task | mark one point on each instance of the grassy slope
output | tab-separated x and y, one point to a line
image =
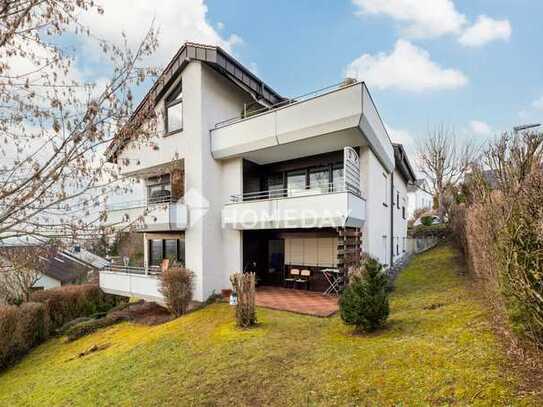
445	355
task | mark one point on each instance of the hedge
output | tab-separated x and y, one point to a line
26	326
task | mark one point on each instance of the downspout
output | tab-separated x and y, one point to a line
391	218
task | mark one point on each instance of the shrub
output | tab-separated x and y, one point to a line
364	302
176	287
427	220
73	301
244	287
88	327
32	326
8	325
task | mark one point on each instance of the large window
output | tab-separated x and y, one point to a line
174	111
296	181
172	249
159	189
319	179
275	185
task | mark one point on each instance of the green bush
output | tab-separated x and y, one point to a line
88	327
427	220
73	301
364	302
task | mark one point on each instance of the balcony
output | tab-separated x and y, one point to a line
312	124
336	205
156	215
132	282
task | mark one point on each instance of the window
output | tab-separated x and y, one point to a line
296	181
160	249
174	111
275	185
159	189
337	176
397	245
403	212
319	179
398	199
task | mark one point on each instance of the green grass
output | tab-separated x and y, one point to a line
437	349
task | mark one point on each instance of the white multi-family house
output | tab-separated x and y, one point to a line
418	197
240	178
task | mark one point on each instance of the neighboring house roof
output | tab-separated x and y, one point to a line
213	56
57	265
87	257
402	163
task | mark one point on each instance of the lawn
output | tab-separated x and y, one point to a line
437	349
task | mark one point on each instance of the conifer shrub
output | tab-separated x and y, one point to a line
364	302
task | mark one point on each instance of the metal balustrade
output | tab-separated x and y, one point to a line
277	193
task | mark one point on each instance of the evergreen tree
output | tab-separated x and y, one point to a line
364	302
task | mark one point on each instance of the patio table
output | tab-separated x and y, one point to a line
333	276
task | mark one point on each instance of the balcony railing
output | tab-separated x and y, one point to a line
263	109
277	193
140	203
119	268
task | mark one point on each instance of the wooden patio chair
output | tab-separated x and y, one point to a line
293	275
304	278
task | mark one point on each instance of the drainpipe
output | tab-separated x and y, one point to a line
391	219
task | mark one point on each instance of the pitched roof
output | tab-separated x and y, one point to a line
213	56
57	265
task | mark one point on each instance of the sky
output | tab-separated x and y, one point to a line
473	65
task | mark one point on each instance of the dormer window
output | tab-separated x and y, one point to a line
174	110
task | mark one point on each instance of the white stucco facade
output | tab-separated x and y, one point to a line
213	157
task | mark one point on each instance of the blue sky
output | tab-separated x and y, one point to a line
475	65
302	45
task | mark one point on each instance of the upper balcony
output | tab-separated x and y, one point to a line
320	122
333	205
154	215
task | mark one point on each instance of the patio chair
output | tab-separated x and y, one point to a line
293	275
304	278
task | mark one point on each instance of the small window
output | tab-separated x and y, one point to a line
403	212
174	111
385	202
398	199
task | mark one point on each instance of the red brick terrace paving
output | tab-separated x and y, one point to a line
299	301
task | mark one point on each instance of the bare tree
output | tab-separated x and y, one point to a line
20	268
443	159
54	124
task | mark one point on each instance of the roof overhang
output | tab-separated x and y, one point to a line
402	163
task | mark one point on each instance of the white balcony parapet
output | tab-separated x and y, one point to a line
306	208
330	121
134	283
156	215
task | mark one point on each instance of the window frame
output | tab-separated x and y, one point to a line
163	181
174	98
163	250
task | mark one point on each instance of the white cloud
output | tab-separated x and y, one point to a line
400	136
178	21
485	30
480	128
407	68
424	18
538	104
